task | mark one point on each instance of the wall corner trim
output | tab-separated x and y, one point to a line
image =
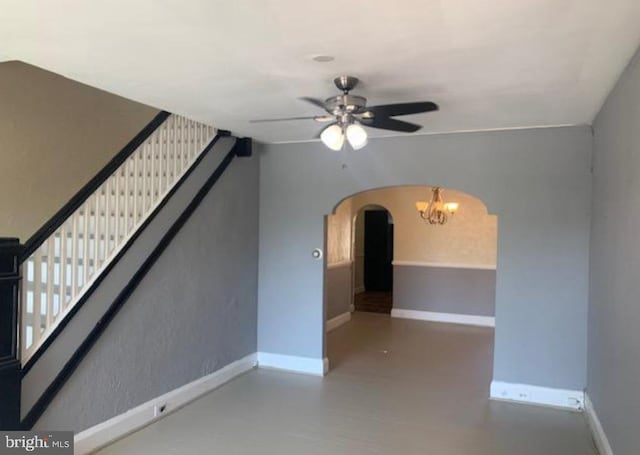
136	418
450	318
572	400
339	320
599	436
304	365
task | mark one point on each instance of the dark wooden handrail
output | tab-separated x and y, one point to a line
90	187
239	149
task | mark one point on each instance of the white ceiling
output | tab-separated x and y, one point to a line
488	63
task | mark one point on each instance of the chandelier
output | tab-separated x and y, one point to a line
437	211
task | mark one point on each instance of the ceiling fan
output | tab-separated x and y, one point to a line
348	114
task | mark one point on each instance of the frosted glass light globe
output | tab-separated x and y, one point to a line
357	136
333	137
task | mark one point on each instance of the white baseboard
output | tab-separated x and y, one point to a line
305	365
451	318
543	396
358	290
352	308
134	419
336	322
599	436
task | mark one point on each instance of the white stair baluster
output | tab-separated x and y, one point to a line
50	279
37	295
62	268
62	289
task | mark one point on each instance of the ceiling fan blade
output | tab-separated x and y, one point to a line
386	123
318	118
391	110
325	118
315	101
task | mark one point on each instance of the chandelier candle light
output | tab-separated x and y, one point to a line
437	211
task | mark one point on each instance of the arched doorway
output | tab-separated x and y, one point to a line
440	273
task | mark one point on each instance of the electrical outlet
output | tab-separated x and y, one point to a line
518	395
159	409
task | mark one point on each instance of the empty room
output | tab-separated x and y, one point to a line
320	227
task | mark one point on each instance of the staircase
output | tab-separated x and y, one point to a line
65	264
45	282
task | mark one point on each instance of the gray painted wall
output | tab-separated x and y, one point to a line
537	181
194	313
444	290
35	382
614	311
338	292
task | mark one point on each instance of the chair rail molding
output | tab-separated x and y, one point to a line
445	265
339	264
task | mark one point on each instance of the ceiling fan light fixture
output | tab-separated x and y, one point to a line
357	136
349	113
333	137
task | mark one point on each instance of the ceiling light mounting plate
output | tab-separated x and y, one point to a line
346	83
323	58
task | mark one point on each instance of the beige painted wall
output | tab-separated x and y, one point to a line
339	234
338	273
469	239
55	134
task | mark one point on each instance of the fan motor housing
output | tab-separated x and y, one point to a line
346	104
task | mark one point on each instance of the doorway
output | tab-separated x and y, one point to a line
384	257
386	262
374	243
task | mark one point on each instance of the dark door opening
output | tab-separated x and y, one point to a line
378	268
378	251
